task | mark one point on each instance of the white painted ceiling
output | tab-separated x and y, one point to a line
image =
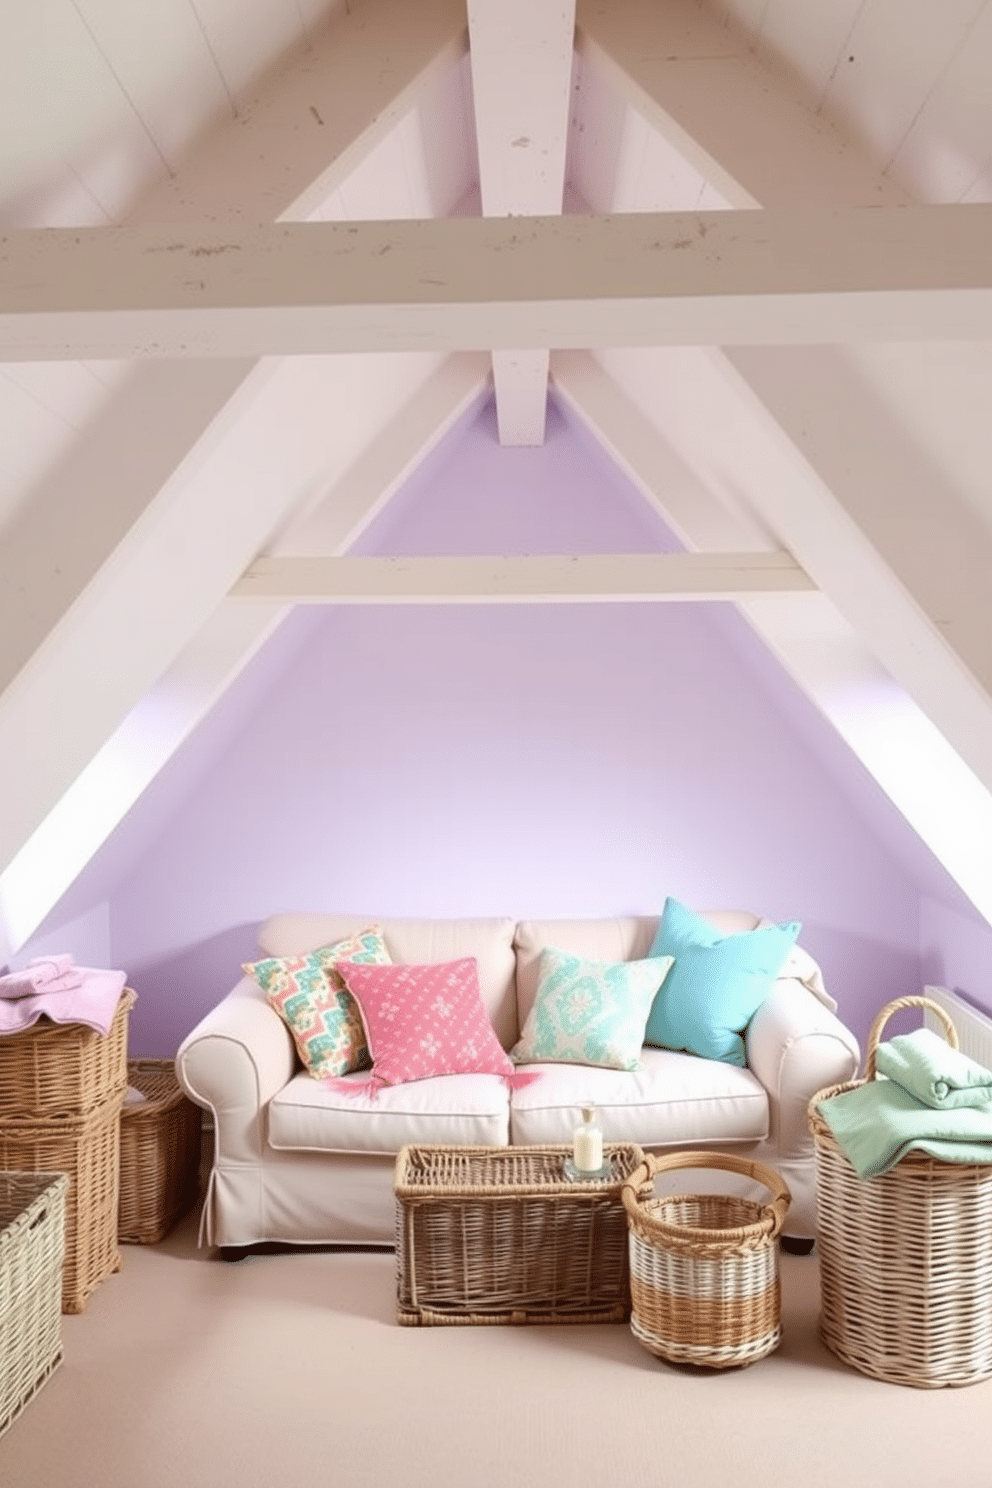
795	369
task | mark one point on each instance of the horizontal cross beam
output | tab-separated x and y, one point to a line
531	579
482	284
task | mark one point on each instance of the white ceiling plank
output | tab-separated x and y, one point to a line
605	579
522	135
146	43
697	83
88	122
769	277
949	143
243	52
813	37
909	43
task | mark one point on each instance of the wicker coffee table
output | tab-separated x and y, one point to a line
500	1235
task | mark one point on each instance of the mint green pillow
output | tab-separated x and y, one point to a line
717	984
589	1012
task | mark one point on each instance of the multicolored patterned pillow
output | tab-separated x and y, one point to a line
309	995
589	1012
425	1020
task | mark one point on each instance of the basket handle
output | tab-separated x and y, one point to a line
895	1006
644	1174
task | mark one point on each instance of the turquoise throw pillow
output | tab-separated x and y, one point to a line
716	985
589	1012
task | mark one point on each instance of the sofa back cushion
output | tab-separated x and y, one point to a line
622	938
416	942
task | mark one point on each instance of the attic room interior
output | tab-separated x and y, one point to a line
202	551
488	458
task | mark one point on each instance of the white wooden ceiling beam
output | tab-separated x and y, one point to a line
521	62
770	277
609	579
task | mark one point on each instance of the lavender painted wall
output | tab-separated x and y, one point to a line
501	760
956	952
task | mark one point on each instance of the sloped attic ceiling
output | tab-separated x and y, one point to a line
270	294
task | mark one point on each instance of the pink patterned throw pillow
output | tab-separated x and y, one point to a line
425	1020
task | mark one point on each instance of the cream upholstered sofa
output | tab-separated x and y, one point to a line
298	1162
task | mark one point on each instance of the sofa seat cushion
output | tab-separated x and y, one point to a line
464	1110
673	1098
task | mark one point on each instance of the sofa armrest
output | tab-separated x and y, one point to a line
796	1046
233	1062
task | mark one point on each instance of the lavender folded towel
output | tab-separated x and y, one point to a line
27	983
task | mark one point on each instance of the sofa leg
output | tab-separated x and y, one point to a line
796	1244
233	1252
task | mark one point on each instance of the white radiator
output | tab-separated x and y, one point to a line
972	1025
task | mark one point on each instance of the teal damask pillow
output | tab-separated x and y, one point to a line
589	1012
717	984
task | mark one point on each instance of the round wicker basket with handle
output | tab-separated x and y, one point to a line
905	1257
704	1278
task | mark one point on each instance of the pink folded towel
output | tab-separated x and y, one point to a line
33	979
93	1002
49	968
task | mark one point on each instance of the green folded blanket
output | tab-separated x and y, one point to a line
878	1123
936	1074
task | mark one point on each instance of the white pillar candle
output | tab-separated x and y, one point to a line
588	1144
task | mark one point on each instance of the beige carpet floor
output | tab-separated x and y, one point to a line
289	1369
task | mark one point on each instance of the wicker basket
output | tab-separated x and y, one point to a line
63	1069
704	1267
905	1257
160	1153
32	1246
500	1235
87	1150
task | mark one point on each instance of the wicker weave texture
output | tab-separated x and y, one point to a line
501	1236
905	1257
32	1247
63	1069
160	1154
704	1276
87	1150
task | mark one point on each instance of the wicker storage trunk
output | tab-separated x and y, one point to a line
32	1246
87	1150
500	1235
63	1069
905	1257
704	1277
160	1153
